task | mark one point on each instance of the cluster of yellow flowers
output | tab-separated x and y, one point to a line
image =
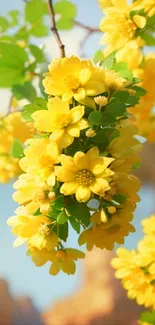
125	28
136	268
79	161
11	127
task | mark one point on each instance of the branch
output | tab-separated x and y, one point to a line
54	29
86	27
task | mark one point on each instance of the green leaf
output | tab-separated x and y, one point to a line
64	24
148	317
35	10
14	14
75	224
109	61
120	66
24	91
139	91
79	211
115	109
13	55
62	218
58	203
149	39
63	231
17	149
99	56
37	53
65	8
4	24
28	110
101	136
39	30
22	34
132	100
9	75
126	74
121	95
95	118
120	198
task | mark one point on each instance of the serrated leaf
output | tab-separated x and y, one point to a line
17	149
28	110
75	224
24	91
37	53
65	8
62	218
79	211
121	95
95	118
109	61
139	91
35	10
99	56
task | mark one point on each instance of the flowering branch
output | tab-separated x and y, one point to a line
54	29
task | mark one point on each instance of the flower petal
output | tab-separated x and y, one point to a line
19	241
66	175
43	121
83	193
68	267
68	162
93	153
74	130
55	268
80	94
74	254
81	160
69	188
76	113
97	166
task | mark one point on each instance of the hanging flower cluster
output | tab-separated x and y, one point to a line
11	127
77	168
127	29
136	268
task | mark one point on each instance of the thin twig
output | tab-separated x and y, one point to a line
54	29
88	28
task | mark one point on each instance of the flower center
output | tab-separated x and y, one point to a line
84	177
44	230
72	82
62	120
61	255
46	161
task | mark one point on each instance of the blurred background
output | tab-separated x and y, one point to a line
28	295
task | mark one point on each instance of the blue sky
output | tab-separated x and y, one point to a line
15	266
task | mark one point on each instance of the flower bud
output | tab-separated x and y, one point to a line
61	255
112	210
101	100
90	133
52	196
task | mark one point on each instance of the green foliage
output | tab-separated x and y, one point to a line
79	211
120	198
37	53
121	95
66	11
98	56
95	118
34	10
17	149
4	24
75	224
62	218
28	110
63	231
109	61
12	64
139	91
24	91
148	317
149	39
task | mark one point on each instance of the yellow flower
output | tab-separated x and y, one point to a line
136	56
18	128
40	157
64	260
63	122
147	5
101	100
32	191
104	234
118	26
114	81
9	168
85	174
39	257
105	3
149	226
35	230
71	77
137	276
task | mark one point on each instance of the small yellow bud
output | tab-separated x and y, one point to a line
103	216
61	255
90	133
111	210
131	92
101	100
52	196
